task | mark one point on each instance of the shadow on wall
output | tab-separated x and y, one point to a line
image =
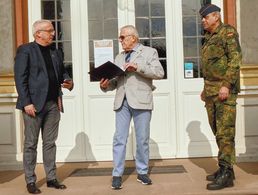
82	148
154	154
198	141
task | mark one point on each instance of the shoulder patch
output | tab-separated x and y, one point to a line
229	34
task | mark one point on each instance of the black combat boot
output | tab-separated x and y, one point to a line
223	180
213	176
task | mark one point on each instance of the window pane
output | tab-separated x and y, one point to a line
141	8
164	65
102	24
69	68
190	7
189	26
63	31
157	8
200	28
92	7
63	9
160	45
110	29
143	27
145	42
95	30
116	48
91	52
158	27
192	33
58	11
151	26
111	12
48	10
190	47
66	47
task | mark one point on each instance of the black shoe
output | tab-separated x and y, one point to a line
55	184
32	188
144	179
116	183
213	176
223	180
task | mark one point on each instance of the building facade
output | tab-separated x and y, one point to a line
179	127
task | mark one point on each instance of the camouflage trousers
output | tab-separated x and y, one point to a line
222	119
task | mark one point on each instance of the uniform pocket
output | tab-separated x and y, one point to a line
231	101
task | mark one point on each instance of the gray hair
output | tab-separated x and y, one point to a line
132	30
36	25
218	14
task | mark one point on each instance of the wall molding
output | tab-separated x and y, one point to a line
7	84
249	75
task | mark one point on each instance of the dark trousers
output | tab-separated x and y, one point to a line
47	121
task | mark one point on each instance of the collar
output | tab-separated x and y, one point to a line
134	49
218	28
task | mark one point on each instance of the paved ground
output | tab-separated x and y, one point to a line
190	182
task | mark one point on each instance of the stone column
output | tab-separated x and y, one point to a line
249	31
7	37
7	49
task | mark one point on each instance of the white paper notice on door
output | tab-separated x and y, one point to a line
103	52
188	70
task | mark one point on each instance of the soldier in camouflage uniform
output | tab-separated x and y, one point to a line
221	60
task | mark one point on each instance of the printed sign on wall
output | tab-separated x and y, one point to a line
188	70
103	52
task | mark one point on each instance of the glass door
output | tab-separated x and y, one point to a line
104	20
197	139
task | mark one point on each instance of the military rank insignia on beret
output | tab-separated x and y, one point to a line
207	9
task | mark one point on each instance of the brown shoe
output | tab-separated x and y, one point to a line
55	184
32	188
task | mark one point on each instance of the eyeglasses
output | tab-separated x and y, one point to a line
49	31
122	37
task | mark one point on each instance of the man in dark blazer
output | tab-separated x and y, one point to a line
39	76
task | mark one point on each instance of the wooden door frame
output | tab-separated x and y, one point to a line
230	12
21	22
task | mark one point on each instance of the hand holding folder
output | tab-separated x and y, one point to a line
108	70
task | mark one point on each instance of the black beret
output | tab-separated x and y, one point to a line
207	9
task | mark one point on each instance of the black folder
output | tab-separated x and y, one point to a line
108	70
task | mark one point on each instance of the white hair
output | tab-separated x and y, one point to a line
132	30
37	25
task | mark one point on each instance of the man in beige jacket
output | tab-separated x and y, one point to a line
134	99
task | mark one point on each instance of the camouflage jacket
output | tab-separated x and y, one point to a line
221	59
